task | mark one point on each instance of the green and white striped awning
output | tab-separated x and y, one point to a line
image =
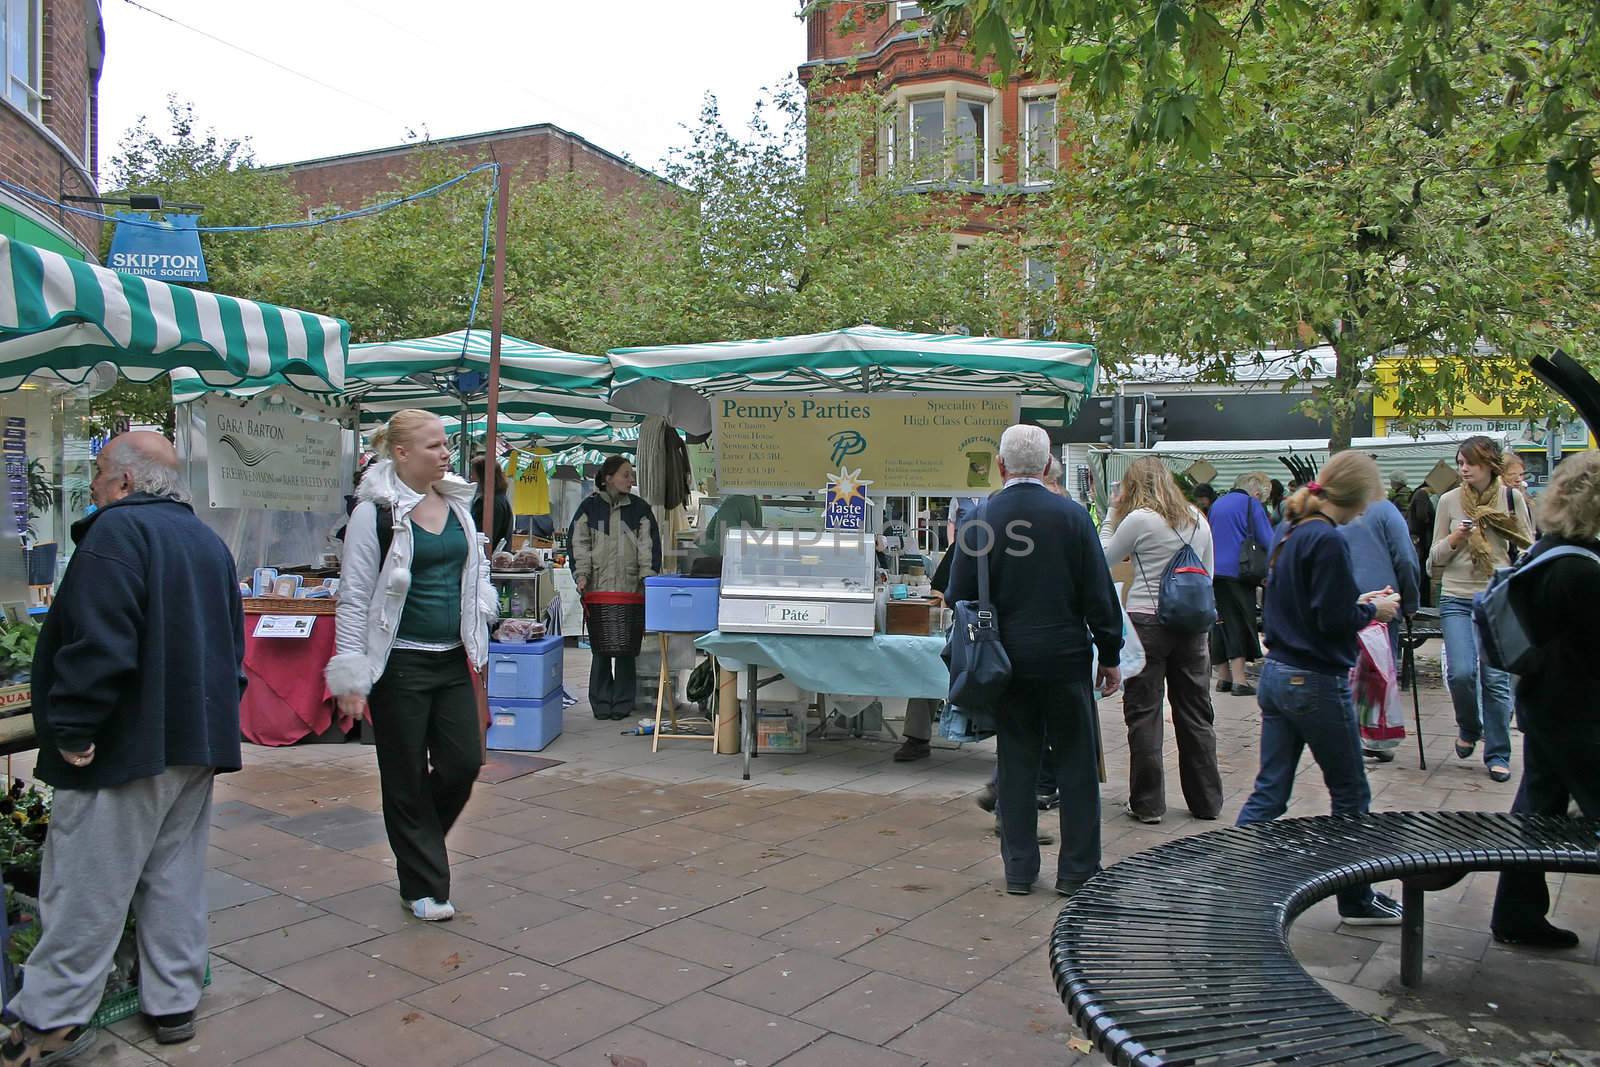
450	372
1053	376
553	432
62	318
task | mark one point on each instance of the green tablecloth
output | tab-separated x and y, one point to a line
885	665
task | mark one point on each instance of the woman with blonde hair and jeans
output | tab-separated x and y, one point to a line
1481	525
1150	522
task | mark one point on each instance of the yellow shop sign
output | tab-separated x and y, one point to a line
934	443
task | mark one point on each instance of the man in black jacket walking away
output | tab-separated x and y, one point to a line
1055	602
136	686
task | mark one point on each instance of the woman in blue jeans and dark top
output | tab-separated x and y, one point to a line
1314	610
1481	524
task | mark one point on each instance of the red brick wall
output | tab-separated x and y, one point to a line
32	158
532	156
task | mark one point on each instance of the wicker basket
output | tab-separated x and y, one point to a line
282	605
616	623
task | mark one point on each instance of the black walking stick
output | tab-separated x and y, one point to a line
1416	694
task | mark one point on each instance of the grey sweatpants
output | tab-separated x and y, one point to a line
144	843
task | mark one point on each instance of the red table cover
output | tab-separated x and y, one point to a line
287	698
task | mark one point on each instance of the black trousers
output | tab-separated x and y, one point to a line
1234	636
425	727
1063	706
1558	766
613	685
1175	666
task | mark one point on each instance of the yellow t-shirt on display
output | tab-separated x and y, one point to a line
530	485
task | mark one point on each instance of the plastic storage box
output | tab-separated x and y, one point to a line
524	725
525	672
681	605
781	729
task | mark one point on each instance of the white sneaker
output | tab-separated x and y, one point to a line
429	910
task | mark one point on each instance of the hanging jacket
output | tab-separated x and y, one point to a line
614	542
372	591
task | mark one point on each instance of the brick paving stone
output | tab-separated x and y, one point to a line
268	951
836	1051
560	1023
574	875
803	874
349	980
632	1044
398	1033
297	1053
731	1029
724	950
429	950
876	1008
224	890
576	935
507	1057
788	983
761	911
474	999
313	873
949	1040
644	972
258	916
691	882
953	969
1016	1010
509	917
901	889
636	903
834	930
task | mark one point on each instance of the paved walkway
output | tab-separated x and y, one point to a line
841	910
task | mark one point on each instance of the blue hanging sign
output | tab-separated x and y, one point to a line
168	251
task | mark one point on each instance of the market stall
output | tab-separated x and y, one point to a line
884	412
68	330
291	530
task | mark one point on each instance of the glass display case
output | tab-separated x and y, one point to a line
798	581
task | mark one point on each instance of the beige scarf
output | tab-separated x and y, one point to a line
1488	511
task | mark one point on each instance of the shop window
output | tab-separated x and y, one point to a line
21	44
1039	141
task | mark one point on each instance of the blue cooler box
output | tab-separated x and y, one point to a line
524	725
681	605
525	672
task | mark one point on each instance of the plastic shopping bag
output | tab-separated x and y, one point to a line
1133	658
1375	685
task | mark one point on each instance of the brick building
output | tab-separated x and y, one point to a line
533	153
50	58
952	128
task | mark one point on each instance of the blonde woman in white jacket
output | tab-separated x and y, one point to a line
412	628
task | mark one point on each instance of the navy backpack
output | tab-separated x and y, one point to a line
1186	602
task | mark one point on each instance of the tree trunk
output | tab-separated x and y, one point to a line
1344	397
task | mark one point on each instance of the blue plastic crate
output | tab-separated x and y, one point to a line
525	672
524	725
673	604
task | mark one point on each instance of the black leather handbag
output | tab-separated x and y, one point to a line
980	670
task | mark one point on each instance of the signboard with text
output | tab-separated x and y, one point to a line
268	457
934	443
168	250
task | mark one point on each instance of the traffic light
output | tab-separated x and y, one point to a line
1155	419
1108	414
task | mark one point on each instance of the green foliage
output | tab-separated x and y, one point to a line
24	823
1170	67
17	643
1325	213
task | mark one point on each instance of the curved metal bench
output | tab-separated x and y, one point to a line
1180	955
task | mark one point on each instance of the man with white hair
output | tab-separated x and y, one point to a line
136	685
1056	604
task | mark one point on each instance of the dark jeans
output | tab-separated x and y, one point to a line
1063	707
613	685
1176	663
1300	710
425	715
1559	766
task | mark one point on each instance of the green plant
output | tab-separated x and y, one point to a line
24	823
17	643
41	491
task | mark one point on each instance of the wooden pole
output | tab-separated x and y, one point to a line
502	208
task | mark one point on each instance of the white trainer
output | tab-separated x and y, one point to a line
429	910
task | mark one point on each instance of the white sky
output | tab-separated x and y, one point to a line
627	75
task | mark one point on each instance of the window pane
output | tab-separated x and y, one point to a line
1040	163
909	11
970	143
1041	275
20	34
927	139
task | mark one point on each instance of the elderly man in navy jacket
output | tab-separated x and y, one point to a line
1056	604
136	686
